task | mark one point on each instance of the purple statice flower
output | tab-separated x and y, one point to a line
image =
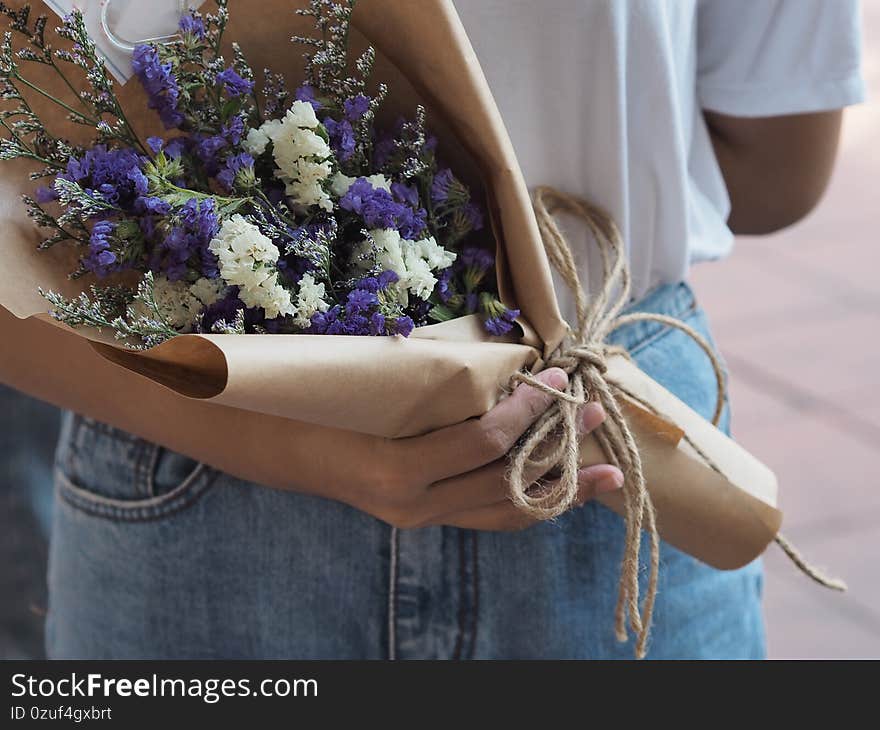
405	193
356	107
440	186
501	325
360	300
156	144
420	309
185	246
233	130
383	148
200	217
176	147
208	150
355	324
474	216
342	139
152	205
412	223
498	318
223	309
401	326
322	321
378	283
114	175
474	257
307	93
379	209
139	180
444	285
226	177
159	82
233	84
386	279
45	194
377	323
100	258
192	24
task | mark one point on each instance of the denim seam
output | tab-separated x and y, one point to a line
462	593
143	458
475	580
394	540
150	474
146	510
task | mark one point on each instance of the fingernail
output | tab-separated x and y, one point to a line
594	410
592	414
557	379
609	483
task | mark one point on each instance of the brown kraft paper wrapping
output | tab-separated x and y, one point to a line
199	394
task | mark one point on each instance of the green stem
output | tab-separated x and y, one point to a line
31	153
67	82
60	103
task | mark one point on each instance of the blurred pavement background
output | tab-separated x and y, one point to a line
797	317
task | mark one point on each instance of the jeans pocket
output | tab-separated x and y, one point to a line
110	473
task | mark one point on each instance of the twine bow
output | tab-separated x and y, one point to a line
552	443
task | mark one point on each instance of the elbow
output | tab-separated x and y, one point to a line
764	211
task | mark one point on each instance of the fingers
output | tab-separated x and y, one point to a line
472	444
488	485
504	516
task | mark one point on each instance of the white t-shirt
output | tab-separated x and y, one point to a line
603	98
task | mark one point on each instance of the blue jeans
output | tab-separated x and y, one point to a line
28	434
156	556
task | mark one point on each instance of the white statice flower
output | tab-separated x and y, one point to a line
301	114
340	184
418	278
379	181
268	294
176	304
293	145
302	156
387	244
434	254
207	291
257	139
247	260
309	300
306	185
414	262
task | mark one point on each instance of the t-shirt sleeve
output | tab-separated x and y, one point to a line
758	58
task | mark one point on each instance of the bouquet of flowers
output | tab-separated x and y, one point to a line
284	211
229	250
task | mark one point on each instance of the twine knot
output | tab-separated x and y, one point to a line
552	444
580	355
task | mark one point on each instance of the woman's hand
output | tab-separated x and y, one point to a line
457	475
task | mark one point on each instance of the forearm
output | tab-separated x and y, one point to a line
775	168
58	366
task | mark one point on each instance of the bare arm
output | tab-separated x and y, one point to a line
776	168
453	476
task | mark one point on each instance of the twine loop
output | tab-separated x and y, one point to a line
552	444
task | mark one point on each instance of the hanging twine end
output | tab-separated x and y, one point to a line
835	584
